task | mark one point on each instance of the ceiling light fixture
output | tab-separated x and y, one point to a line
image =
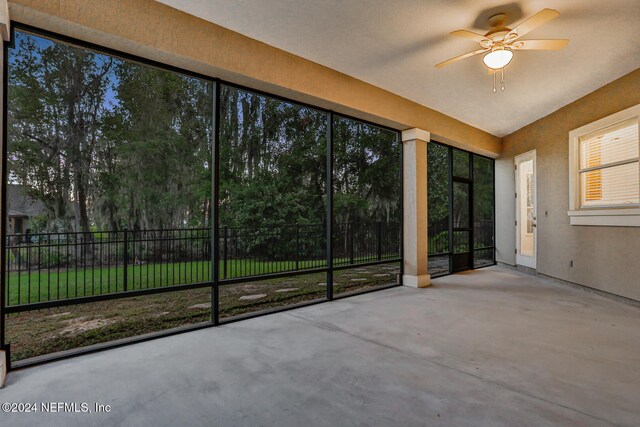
498	58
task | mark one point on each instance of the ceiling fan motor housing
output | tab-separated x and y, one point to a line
498	28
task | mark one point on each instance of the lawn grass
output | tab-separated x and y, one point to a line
56	284
47	331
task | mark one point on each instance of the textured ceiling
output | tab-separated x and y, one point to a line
395	45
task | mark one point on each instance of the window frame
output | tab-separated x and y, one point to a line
450	228
215	282
604	215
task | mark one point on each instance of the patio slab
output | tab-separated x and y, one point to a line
490	347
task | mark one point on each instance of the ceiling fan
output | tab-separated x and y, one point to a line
500	42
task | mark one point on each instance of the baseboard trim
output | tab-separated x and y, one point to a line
520	268
574	285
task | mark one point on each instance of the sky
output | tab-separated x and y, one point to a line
43	43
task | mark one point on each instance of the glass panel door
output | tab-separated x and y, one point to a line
526	210
483	211
461	225
439	185
461	202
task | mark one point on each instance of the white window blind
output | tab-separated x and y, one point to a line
610	166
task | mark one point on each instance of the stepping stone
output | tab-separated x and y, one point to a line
389	267
287	290
66	313
321	284
252	297
359	279
164	313
381	275
80	325
202	306
361	270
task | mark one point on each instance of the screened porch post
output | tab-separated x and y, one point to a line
414	161
5	31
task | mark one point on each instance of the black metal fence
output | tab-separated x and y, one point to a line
365	242
483	237
483	234
438	241
253	251
56	266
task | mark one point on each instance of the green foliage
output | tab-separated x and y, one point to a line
107	143
56	100
440	241
52	259
483	190
38	224
272	161
438	182
366	173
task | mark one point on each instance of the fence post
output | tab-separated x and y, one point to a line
125	259
350	234
297	245
379	234
224	251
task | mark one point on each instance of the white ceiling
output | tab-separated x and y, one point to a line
394	44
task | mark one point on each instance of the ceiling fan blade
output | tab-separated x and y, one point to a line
542	17
469	35
458	58
540	44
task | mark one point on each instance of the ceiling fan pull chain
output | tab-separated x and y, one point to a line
502	79
494	82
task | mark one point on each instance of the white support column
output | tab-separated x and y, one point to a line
5	29
3	367
414	207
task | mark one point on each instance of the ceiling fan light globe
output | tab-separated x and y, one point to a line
498	59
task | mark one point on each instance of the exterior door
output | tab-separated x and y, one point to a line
526	217
461	200
462	238
461	210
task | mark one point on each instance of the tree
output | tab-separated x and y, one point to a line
57	96
162	131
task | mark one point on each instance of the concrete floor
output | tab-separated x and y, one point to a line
490	347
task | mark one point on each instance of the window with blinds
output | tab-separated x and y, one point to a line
609	166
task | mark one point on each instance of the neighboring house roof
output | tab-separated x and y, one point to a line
14	213
19	204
